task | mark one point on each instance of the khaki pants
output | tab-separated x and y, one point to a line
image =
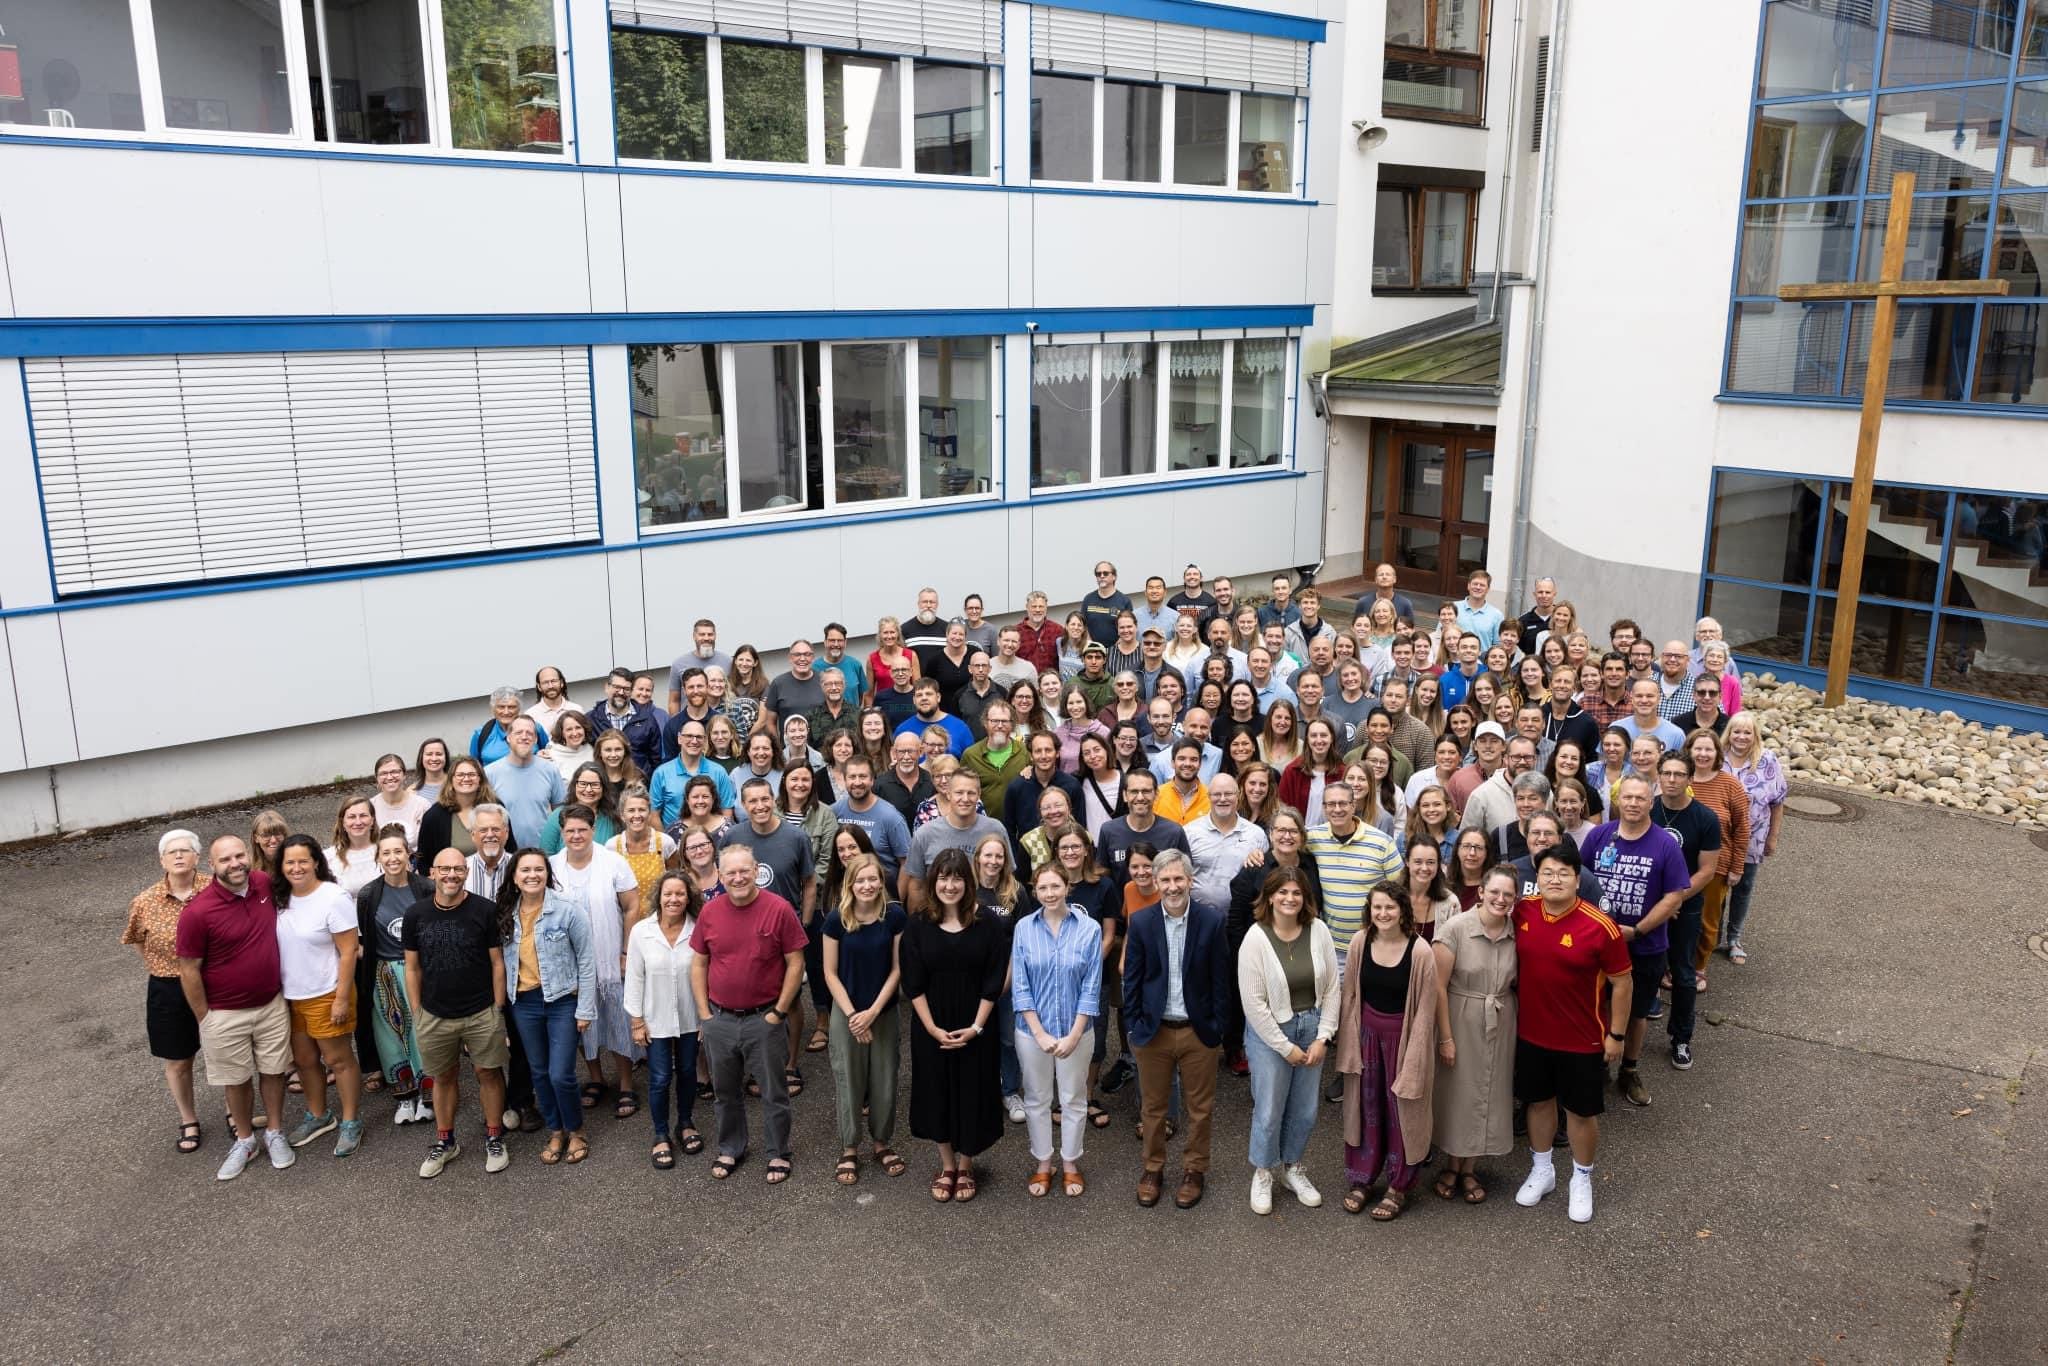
1176	1048
1713	897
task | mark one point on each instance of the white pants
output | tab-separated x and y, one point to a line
1042	1072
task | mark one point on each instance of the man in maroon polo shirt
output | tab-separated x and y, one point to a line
750	957
233	978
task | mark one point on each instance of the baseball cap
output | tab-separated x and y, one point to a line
1094	647
1153	631
1490	728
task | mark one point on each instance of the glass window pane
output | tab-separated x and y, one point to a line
1201	127
1408	23
1130	408
1763	527
2012	355
1765	623
223	65
764	102
1902	548
678	434
1432	87
2022	244
1265	143
371	70
1418	548
768	426
1802	150
1891	642
1444	224
1258	402
1795	244
1475	488
950	119
1930	351
863	111
1816	47
1062	415
1458	25
956	418
504	94
1392	265
73	65
1784	348
661	96
1944	241
870	450
1998	555
1993	659
1933	41
1194	406
1131	118
1423	466
2026	152
1062	128
2034	38
1947	138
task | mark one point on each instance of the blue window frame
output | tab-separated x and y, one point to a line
1847	92
1954	598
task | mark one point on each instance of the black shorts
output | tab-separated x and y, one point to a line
173	1033
1648	972
1577	1081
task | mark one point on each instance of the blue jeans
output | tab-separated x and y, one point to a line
1736	912
668	1060
548	1031
1003	1020
1284	1097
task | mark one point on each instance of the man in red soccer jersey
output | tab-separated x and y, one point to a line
1565	951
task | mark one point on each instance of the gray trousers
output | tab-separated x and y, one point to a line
737	1045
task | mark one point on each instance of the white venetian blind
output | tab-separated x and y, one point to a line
162	470
966	30
1091	43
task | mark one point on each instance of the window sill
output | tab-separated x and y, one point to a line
1412	115
1423	291
419	153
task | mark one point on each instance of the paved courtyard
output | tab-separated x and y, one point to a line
1856	1171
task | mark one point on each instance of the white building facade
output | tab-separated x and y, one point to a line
359	356
1633	411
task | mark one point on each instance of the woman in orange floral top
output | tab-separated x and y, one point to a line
153	929
1722	793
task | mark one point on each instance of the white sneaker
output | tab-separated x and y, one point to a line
1296	1177
496	1158
1262	1190
281	1154
509	1120
1014	1103
238	1157
1542	1181
1579	1204
404	1113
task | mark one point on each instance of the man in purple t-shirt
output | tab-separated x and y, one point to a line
1643	880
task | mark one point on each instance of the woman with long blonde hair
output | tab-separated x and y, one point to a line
863	938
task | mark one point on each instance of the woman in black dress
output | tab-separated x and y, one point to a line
954	960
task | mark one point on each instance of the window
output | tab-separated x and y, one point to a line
764	102
366	73
1062	128
1142	126
1434	64
738	430
1130	130
662	96
949	127
1141	409
1422	238
1265	144
863	111
1201	130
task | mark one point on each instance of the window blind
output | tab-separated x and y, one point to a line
1097	44
161	470
964	30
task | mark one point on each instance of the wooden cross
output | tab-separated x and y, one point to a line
1886	289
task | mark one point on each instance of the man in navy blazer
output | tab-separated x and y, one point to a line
1176	967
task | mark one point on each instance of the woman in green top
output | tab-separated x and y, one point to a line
587	788
1287	976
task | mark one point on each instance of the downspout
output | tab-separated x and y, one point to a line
1525	456
1504	197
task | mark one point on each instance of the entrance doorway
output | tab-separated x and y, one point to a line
1439	499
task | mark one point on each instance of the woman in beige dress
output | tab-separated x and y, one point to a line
1475	960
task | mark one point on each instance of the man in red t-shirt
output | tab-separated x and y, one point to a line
1566	951
1039	635
750	957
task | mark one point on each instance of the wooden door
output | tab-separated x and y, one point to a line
1439	500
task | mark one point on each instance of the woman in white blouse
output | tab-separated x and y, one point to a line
664	1014
353	855
1287	976
610	895
393	803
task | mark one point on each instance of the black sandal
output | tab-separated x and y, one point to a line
793	1081
846	1171
723	1166
627	1105
664	1155
1098	1118
706	1091
593	1092
693	1143
779	1170
190	1136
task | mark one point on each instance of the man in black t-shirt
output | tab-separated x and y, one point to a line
924	632
796	693
455	977
1192	594
1100	608
1138	823
1699	833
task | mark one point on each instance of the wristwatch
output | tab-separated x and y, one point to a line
976	1029
1618	1038
771	1010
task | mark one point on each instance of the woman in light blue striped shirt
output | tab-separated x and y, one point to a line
1056	989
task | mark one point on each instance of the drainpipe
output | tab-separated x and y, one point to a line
1504	197
1525	456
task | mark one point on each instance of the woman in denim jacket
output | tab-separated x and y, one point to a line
551	980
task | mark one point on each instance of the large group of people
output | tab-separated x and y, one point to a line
1443	874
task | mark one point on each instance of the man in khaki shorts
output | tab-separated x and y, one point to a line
233	978
455	975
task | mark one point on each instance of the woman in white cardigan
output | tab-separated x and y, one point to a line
1287	975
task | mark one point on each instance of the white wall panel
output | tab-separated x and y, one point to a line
605	234
117	233
1109	252
1242	254
695	243
896	248
45	697
485	239
6	280
24	560
13	753
628	621
762	591
1134	533
883	564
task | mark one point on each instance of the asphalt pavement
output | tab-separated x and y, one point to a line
1855	1171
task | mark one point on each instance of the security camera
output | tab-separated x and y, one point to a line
1370	134
1030	327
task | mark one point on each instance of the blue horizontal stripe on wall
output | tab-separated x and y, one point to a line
1199	14
655	539
156	336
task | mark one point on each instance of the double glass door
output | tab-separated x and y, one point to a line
1440	499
